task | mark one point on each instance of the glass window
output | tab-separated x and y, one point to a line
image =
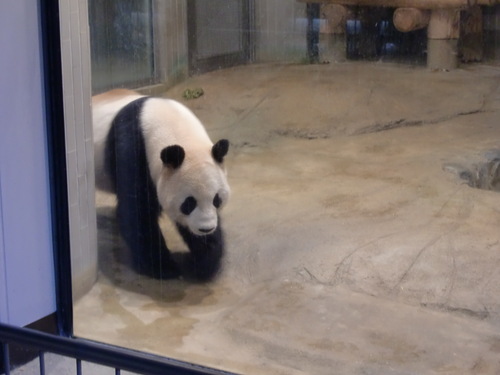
122	43
361	231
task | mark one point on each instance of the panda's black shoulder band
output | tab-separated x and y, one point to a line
172	156
220	149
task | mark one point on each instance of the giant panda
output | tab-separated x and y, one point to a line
156	156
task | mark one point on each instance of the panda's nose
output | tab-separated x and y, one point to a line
206	230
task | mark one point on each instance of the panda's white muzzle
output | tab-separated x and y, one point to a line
206	230
203	222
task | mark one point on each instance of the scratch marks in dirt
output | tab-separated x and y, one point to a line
401	123
302	133
327	131
481	314
423	265
344	266
414	261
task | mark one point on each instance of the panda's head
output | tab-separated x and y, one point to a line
193	186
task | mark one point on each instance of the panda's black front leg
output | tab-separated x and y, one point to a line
141	232
206	252
138	211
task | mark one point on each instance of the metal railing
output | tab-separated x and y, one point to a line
97	353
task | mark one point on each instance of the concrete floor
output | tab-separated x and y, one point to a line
354	247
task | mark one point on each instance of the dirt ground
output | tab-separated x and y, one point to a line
355	241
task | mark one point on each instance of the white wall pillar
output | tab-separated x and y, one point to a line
75	54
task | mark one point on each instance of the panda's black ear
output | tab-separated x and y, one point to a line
219	150
172	156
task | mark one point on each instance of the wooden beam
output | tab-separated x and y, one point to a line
488	2
419	4
409	19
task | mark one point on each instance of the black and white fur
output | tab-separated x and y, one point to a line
155	155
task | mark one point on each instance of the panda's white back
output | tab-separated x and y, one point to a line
166	122
163	122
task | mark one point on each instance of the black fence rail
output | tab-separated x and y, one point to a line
83	350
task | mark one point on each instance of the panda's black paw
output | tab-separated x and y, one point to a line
206	253
169	271
207	266
163	270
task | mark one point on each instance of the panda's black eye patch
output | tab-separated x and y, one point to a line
217	201
188	205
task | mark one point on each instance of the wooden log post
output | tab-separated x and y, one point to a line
442	39
410	19
332	38
470	44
